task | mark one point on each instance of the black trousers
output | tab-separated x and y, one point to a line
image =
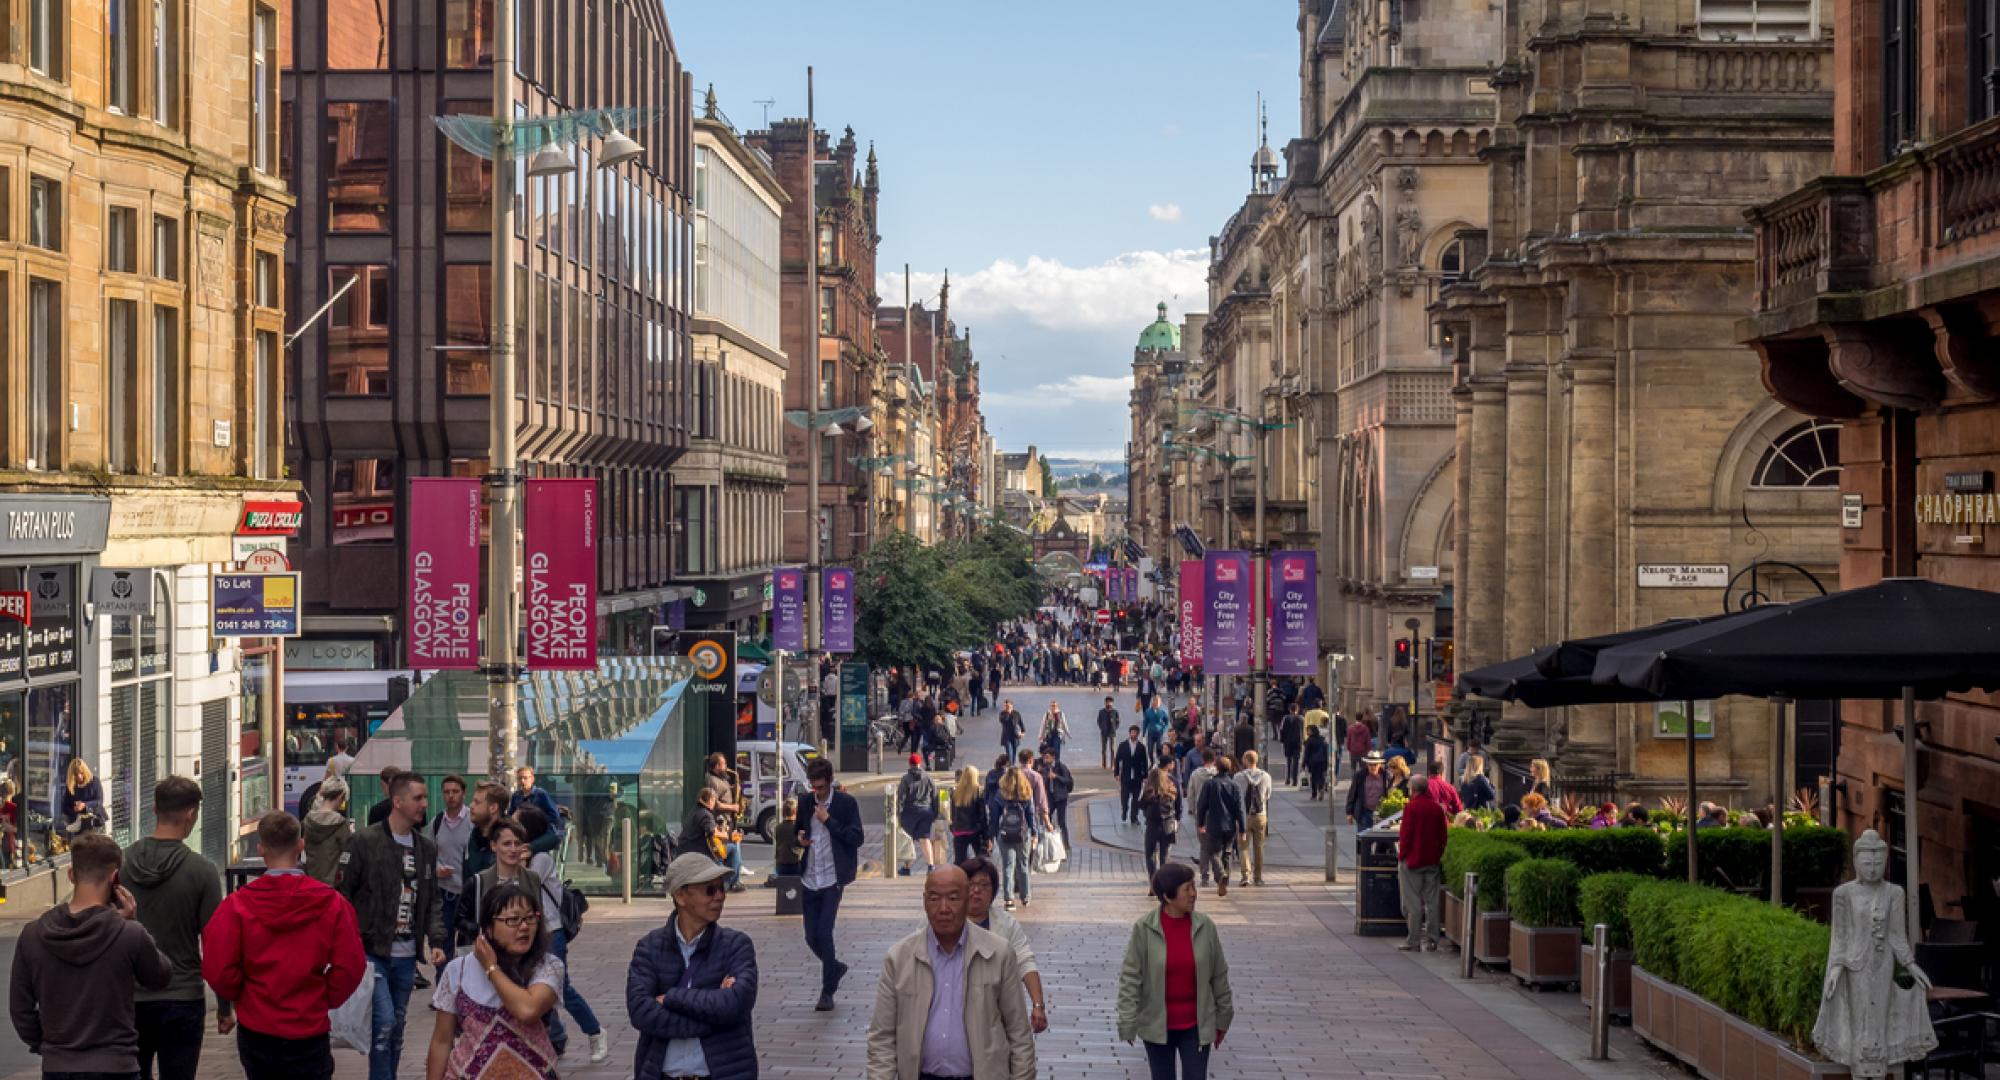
1060	812
170	1038
1128	799
1159	850
1292	765
1184	1044
270	1057
821	907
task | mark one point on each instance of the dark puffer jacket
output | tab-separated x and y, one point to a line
700	1009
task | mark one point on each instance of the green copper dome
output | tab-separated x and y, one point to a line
1162	336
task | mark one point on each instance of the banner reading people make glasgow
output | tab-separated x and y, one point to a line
1191	611
788	609
559	530
1294	612
1225	641
444	573
836	596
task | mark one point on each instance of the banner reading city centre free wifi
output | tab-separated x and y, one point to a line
560	530
444	573
1293	624
1225	639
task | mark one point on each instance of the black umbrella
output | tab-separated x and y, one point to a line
1523	679
1577	657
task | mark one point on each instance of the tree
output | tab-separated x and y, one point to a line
905	615
1048	480
1090	480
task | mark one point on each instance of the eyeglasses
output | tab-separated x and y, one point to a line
517	920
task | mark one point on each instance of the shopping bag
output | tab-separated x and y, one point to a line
1050	853
353	1023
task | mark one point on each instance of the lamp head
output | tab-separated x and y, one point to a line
618	149
550	161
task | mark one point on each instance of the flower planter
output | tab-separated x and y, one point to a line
1544	956
1714	1043
1490	937
1620	979
1452	910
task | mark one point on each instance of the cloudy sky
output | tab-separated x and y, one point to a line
1066	162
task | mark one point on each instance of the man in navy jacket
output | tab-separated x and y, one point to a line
829	832
693	984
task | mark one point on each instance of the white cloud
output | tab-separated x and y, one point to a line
1165	211
1075	390
1117	294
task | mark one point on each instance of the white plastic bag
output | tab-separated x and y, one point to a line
1050	852
352	1023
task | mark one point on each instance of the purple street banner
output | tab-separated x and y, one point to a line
444	574
1131	584
1295	612
788	609
1225	643
559	531
836	597
1114	585
1190	614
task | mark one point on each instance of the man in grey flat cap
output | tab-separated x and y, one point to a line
693	984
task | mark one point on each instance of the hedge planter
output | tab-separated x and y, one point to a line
1544	956
1452	910
1620	980
1490	937
1714	1043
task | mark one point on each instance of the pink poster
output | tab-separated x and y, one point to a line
1190	613
560	574
443	628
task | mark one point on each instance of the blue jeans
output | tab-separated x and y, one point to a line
1014	873
734	862
394	976
820	908
571	1000
1184	1044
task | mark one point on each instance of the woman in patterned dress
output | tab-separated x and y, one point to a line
491	1002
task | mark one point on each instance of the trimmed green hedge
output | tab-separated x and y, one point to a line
1762	963
1601	898
1483	853
1740	858
1597	851
1542	893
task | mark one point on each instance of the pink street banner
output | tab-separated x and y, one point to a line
1131	584
1226	585
1190	614
443	574
836	596
560	532
788	609
1294	612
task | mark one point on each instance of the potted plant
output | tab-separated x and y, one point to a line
1489	935
1544	934
1601	899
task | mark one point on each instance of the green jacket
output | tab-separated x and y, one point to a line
1142	985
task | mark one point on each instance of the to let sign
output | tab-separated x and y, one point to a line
1684	576
255	605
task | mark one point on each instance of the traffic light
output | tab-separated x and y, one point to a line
1402	652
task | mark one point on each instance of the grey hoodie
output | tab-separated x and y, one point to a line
177	890
71	997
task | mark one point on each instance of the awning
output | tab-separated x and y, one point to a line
319	687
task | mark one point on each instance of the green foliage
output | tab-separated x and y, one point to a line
1601	898
1740	858
1815	856
920	604
1597	851
1760	962
1393	800
1542	893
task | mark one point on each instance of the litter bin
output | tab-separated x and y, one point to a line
1378	899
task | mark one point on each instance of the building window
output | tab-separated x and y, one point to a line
122	357
166	63
826	305
141	714
264	405
358	136
1758	20
468	328
166	386
166	248
259	725
827	246
121	240
364	501
357	339
267	280
362	43
45	323
1806	455
691	510
45	212
468	181
1983	34
6	174
264	69
468	33
1899	75
827	370
1451	262
121	57
46	19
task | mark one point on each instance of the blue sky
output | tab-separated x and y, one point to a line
1067	163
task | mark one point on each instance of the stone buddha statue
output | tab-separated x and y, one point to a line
1866	1022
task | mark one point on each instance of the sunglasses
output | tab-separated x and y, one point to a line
711	890
517	920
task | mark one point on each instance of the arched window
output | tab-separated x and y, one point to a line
1806	455
1451	261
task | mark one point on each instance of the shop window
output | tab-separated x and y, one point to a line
357	338
357	37
1806	455
358	138
259	721
468	328
141	676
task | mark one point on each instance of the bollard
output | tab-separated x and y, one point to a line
890	830
1600	993
1468	949
625	827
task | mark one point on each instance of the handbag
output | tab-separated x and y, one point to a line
351	1025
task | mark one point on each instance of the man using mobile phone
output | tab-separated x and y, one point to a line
389	874
829	831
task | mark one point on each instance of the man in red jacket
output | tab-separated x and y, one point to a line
285	949
1419	851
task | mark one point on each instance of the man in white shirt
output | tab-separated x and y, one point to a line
1256	785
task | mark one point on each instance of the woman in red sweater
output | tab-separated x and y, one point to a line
1174	991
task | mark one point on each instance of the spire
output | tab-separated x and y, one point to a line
709	110
874	175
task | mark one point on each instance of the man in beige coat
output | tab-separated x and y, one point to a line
949	1004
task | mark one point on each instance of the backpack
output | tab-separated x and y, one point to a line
1253	798
1013	823
572	904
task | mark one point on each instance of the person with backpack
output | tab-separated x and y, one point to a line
1015	832
553	892
1218	816
177	891
1291	736
1256	789
1161	805
285	950
917	811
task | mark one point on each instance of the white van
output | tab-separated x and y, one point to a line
756	766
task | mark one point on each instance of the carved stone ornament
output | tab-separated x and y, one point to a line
1866	1022
1409	236
1371	230
1406	179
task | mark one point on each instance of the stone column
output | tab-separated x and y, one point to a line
1483	585
1526	579
1593	506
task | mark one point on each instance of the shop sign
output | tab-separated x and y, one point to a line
1975	481
788	625
271	518
1684	576
122	592
52	636
329	655
11	639
244	548
1423	573
254	605
264	561
1226	584
1959	508
18	604
53	524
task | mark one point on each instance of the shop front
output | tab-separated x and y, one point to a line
730	603
49	544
